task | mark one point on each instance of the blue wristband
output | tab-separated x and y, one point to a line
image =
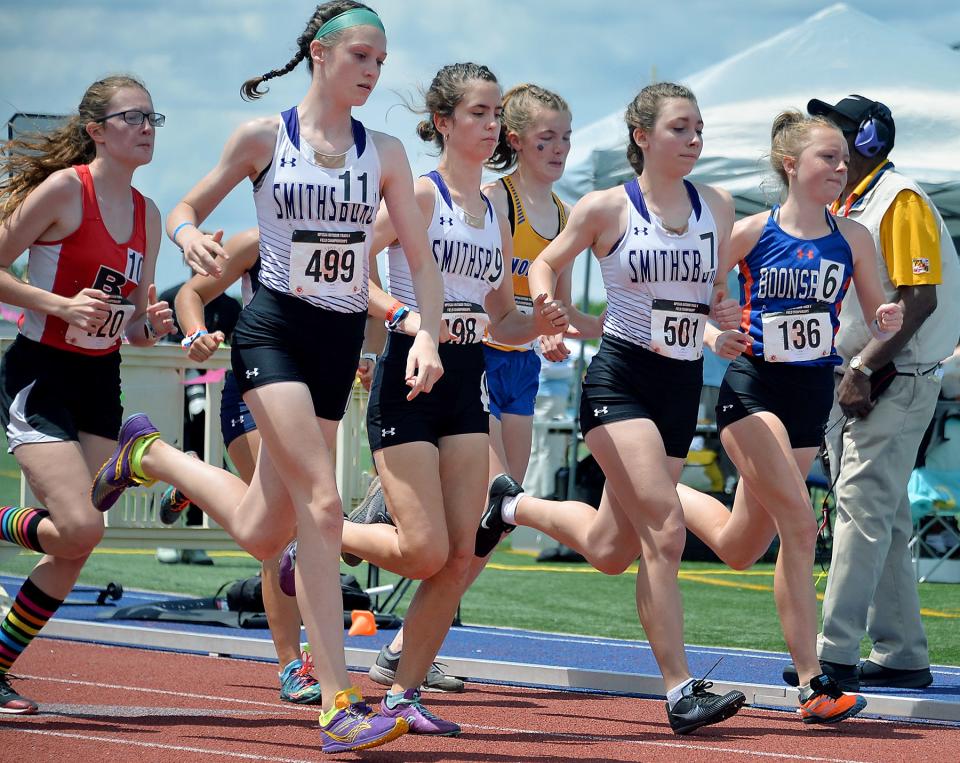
176	230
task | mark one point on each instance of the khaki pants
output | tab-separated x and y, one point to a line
872	586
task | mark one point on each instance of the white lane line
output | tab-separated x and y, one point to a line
583	738
286	706
672	745
112	712
158	746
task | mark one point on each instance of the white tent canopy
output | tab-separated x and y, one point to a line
834	53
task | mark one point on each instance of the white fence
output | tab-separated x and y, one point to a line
152	382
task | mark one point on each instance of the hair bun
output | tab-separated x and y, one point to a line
426	130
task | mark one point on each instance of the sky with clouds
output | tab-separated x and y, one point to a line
195	54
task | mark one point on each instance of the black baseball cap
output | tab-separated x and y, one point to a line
855	108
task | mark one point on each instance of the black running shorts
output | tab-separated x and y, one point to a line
625	381
457	404
281	338
799	395
51	395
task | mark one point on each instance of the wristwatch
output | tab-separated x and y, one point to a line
857	364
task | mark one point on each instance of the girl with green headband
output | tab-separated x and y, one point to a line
318	178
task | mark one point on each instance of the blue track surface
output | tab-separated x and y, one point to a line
531	647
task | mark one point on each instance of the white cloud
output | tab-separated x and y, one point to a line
195	55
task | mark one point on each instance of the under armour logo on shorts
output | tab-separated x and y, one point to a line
726	407
390	431
234	422
600	411
292	161
254	372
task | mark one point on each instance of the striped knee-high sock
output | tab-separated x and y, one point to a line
29	613
22	526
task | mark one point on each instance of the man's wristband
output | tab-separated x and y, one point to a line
371	356
189	340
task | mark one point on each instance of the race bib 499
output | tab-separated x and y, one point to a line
326	263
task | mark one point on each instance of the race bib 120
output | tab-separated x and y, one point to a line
676	328
107	333
326	263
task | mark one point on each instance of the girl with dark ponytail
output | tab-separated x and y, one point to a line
93	242
661	243
318	178
431	453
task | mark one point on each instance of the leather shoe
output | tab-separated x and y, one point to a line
872	674
846	676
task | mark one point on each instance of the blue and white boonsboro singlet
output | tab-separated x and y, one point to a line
470	260
658	282
316	223
790	290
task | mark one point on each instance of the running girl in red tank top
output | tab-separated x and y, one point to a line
93	242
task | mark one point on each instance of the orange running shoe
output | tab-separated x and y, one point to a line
826	702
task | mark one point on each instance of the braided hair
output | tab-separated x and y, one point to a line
250	90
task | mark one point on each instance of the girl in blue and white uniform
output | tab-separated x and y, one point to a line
796	264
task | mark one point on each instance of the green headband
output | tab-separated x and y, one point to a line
347	19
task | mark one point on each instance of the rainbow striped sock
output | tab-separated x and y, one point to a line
22	526
29	613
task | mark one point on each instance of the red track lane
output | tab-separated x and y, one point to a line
116	704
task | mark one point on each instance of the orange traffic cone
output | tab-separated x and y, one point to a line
363	623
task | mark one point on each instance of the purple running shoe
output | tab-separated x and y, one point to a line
421	720
288	566
356	727
116	475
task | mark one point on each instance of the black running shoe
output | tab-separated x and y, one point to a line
372	510
492	527
12	703
701	708
846	676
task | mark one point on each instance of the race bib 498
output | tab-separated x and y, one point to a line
466	322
